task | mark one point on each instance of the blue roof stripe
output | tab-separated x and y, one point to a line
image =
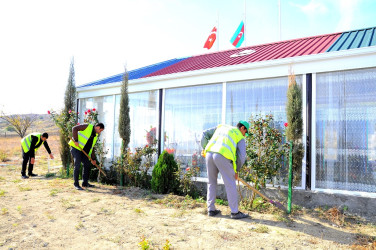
135	74
355	39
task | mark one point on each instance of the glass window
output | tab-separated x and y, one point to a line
254	97
143	112
264	96
346	130
105	107
189	111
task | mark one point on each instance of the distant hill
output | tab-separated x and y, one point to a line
43	123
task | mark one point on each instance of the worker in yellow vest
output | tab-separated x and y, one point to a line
29	146
84	138
224	150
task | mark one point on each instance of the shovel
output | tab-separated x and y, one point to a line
275	203
91	160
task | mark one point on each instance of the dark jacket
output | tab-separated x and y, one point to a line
34	145
89	143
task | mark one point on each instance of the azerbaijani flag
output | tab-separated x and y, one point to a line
238	37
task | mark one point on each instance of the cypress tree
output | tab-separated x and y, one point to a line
294	107
124	120
69	104
294	130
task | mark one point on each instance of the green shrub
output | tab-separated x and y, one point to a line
165	179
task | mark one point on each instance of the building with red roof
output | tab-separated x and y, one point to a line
182	97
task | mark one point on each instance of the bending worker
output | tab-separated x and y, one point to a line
84	138
225	153
29	146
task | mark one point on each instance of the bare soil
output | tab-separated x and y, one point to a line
49	213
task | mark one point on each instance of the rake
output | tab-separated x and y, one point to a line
91	160
275	203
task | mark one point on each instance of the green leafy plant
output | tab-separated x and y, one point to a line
221	202
4	211
164	179
265	151
167	245
136	165
144	243
187	186
80	226
19	209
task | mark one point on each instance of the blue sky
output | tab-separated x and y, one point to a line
39	37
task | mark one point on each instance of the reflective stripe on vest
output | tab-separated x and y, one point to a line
224	142
83	137
26	142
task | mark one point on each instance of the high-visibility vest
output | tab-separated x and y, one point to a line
26	142
83	137
224	142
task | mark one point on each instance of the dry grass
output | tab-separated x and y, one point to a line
364	242
11	150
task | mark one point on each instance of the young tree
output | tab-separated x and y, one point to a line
20	123
294	129
70	91
69	106
124	120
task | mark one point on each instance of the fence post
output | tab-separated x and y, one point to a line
290	180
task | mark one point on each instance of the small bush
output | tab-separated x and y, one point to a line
3	156
187	186
164	178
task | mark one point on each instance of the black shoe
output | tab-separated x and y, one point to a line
239	215
213	213
88	185
33	175
78	187
24	177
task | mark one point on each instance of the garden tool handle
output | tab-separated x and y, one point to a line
91	160
254	189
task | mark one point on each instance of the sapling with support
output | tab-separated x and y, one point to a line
275	203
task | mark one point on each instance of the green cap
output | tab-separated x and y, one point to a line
246	125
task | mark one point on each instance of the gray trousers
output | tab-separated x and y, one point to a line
217	163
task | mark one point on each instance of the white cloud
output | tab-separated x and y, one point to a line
347	10
314	7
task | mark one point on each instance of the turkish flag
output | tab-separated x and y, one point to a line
211	39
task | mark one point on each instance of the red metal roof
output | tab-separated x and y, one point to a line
264	52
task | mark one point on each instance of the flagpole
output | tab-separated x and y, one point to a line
217	31
245	23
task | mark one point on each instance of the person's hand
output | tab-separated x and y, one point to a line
32	161
203	153
93	162
76	143
52	156
236	176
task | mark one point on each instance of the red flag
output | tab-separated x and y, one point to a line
211	39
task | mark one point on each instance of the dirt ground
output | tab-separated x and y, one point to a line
49	213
